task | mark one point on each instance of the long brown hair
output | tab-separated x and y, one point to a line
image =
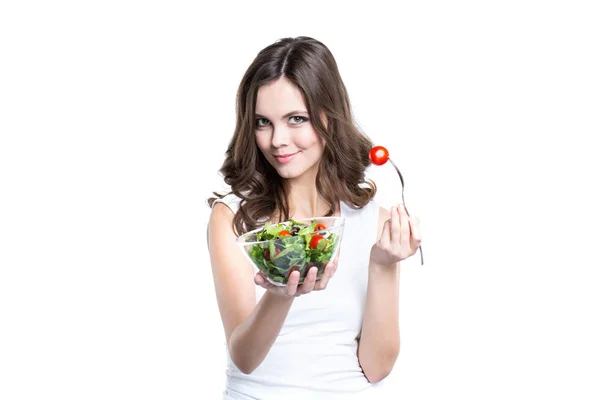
309	65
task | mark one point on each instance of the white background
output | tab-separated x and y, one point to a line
114	118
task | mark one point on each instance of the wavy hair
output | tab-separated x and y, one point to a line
309	65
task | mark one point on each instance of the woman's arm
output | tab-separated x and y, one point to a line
251	341
250	328
379	343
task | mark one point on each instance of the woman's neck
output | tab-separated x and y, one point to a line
306	202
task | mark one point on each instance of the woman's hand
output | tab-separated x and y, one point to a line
400	238
292	289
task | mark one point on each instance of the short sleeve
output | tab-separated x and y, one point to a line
231	201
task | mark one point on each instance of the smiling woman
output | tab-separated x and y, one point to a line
296	154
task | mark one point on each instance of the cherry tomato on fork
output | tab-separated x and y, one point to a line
379	155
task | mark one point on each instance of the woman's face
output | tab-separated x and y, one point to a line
284	133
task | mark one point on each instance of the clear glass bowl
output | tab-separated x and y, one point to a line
294	252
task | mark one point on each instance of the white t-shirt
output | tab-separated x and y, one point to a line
315	355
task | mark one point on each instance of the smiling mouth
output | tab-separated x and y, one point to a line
286	158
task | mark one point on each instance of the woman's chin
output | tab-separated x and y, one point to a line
293	170
288	173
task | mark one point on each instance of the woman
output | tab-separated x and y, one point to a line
296	153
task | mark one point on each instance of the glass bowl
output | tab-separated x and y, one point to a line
315	243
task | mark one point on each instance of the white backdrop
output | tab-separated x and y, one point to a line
114	117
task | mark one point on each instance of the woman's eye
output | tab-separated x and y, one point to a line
297	119
260	122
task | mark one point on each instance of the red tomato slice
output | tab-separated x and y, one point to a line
379	155
285	233
319	227
314	242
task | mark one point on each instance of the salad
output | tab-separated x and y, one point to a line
293	246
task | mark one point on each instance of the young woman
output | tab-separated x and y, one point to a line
296	153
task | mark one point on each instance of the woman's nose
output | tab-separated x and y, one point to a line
281	136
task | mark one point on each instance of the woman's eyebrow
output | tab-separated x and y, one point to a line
286	115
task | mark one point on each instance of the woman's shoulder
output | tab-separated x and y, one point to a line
230	200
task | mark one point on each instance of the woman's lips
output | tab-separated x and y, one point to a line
286	159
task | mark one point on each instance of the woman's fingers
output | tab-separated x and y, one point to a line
415	229
335	264
263	282
327	274
395	225
309	282
260	280
400	237
330	269
404	229
386	234
292	283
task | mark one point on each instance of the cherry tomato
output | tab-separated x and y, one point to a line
319	227
314	242
284	233
379	155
